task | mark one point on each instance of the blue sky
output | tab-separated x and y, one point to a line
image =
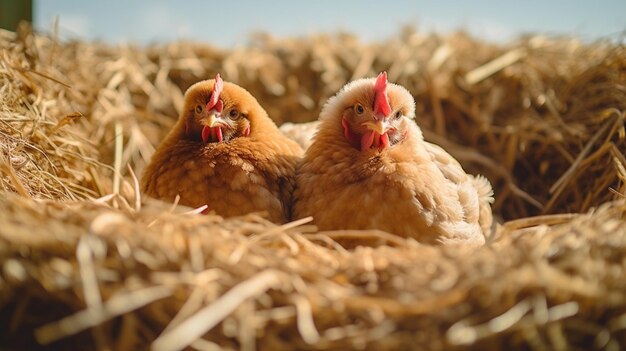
228	23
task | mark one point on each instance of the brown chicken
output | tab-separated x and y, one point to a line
370	168
224	152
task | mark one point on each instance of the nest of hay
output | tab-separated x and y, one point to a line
86	262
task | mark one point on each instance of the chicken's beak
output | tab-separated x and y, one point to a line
380	126
214	120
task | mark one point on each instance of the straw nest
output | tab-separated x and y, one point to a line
87	263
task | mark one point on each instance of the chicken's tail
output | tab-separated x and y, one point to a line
485	199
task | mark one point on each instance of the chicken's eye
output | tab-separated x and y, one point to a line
234	114
398	114
358	109
199	108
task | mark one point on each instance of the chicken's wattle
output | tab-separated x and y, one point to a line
212	134
373	139
367	141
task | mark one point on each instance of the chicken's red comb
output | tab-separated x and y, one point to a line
381	104
215	97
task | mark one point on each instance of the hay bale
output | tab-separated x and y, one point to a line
86	262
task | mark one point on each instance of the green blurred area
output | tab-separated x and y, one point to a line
12	12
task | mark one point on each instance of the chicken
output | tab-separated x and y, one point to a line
224	152
370	168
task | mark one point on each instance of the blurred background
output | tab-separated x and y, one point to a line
228	23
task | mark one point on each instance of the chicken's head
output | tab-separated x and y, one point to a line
215	111
374	113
